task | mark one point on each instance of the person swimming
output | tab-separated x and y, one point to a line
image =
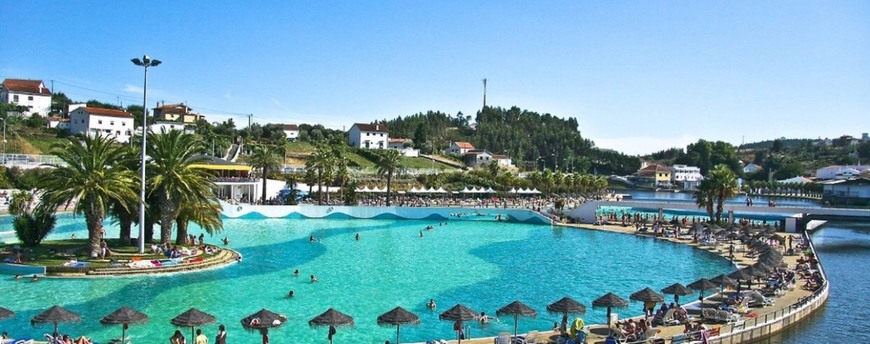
226	240
296	273
421	234
290	295
431	304
311	239
313	279
357	236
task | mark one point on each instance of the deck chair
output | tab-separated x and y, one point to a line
668	319
502	339
678	339
758	300
529	338
727	317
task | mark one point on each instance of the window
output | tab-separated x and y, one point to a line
112	123
30	98
100	122
367	134
15	98
123	124
382	134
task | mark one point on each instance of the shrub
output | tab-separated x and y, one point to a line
33	227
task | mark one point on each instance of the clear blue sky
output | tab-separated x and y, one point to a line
640	76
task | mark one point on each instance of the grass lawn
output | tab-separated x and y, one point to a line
302	148
57	252
423	163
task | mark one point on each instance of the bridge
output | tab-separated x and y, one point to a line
795	218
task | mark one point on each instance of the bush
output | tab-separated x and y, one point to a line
32	228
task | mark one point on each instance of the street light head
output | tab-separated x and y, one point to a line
154	63
137	62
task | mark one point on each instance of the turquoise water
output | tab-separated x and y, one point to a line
482	264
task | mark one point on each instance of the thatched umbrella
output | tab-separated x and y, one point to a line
458	313
610	300
566	306
740	275
193	318
333	319
516	309
124	316
647	296
702	285
677	290
55	315
5	313
398	317
723	280
263	320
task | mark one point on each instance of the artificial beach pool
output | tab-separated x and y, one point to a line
480	263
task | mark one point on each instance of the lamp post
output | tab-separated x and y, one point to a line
4	140
144	62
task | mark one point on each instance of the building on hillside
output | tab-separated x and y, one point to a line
686	177
854	191
405	146
29	93
176	113
113	123
57	122
368	136
291	131
654	175
458	148
164	126
502	160
477	158
751	168
840	171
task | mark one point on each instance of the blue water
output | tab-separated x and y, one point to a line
482	264
687	197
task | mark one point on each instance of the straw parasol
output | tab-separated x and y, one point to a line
723	280
124	316
517	309
458	313
5	313
55	315
263	320
610	300
193	318
677	290
740	275
566	306
333	319
398	317
703	284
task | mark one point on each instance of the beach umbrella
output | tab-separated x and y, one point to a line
755	271
517	309
723	280
193	318
124	316
647	296
458	313
263	320
566	306
5	313
398	317
333	319
740	275
677	290
610	301
703	284
55	315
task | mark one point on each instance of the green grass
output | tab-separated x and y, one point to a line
301	148
57	252
423	163
359	160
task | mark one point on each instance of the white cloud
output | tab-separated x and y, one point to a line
132	89
641	145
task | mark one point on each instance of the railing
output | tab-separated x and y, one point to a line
29	160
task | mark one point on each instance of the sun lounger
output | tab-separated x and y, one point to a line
529	338
758	300
502	339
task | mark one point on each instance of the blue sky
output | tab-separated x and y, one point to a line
640	76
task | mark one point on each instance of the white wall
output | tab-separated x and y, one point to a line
40	104
291	134
118	127
376	140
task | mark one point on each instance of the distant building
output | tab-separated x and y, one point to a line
458	148
865	137
29	93
855	191
654	175
162	126
477	158
502	160
291	131
405	146
176	113
57	122
840	171
687	177
113	123
751	168
368	136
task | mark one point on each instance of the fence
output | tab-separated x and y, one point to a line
29	160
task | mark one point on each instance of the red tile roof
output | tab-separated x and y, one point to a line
500	157
399	140
106	112
26	86
372	127
291	127
464	145
55	119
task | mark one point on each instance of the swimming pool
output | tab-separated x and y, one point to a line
482	264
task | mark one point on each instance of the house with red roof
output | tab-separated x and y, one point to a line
31	94
368	136
109	122
291	131
459	148
176	113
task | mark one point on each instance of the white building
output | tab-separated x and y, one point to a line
686	176
166	126
291	131
113	123
477	158
30	93
458	148
57	122
405	146
840	171
502	160
368	136
751	168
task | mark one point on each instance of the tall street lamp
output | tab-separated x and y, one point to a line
145	62
4	139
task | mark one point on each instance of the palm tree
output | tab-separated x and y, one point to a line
703	196
493	168
94	174
174	179
725	187
389	162
264	158
321	162
205	214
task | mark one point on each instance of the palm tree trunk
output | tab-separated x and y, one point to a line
319	189
181	234
168	212
149	230
95	223
264	185
125	221
389	184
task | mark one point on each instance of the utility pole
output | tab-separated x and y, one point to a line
484	93
249	120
